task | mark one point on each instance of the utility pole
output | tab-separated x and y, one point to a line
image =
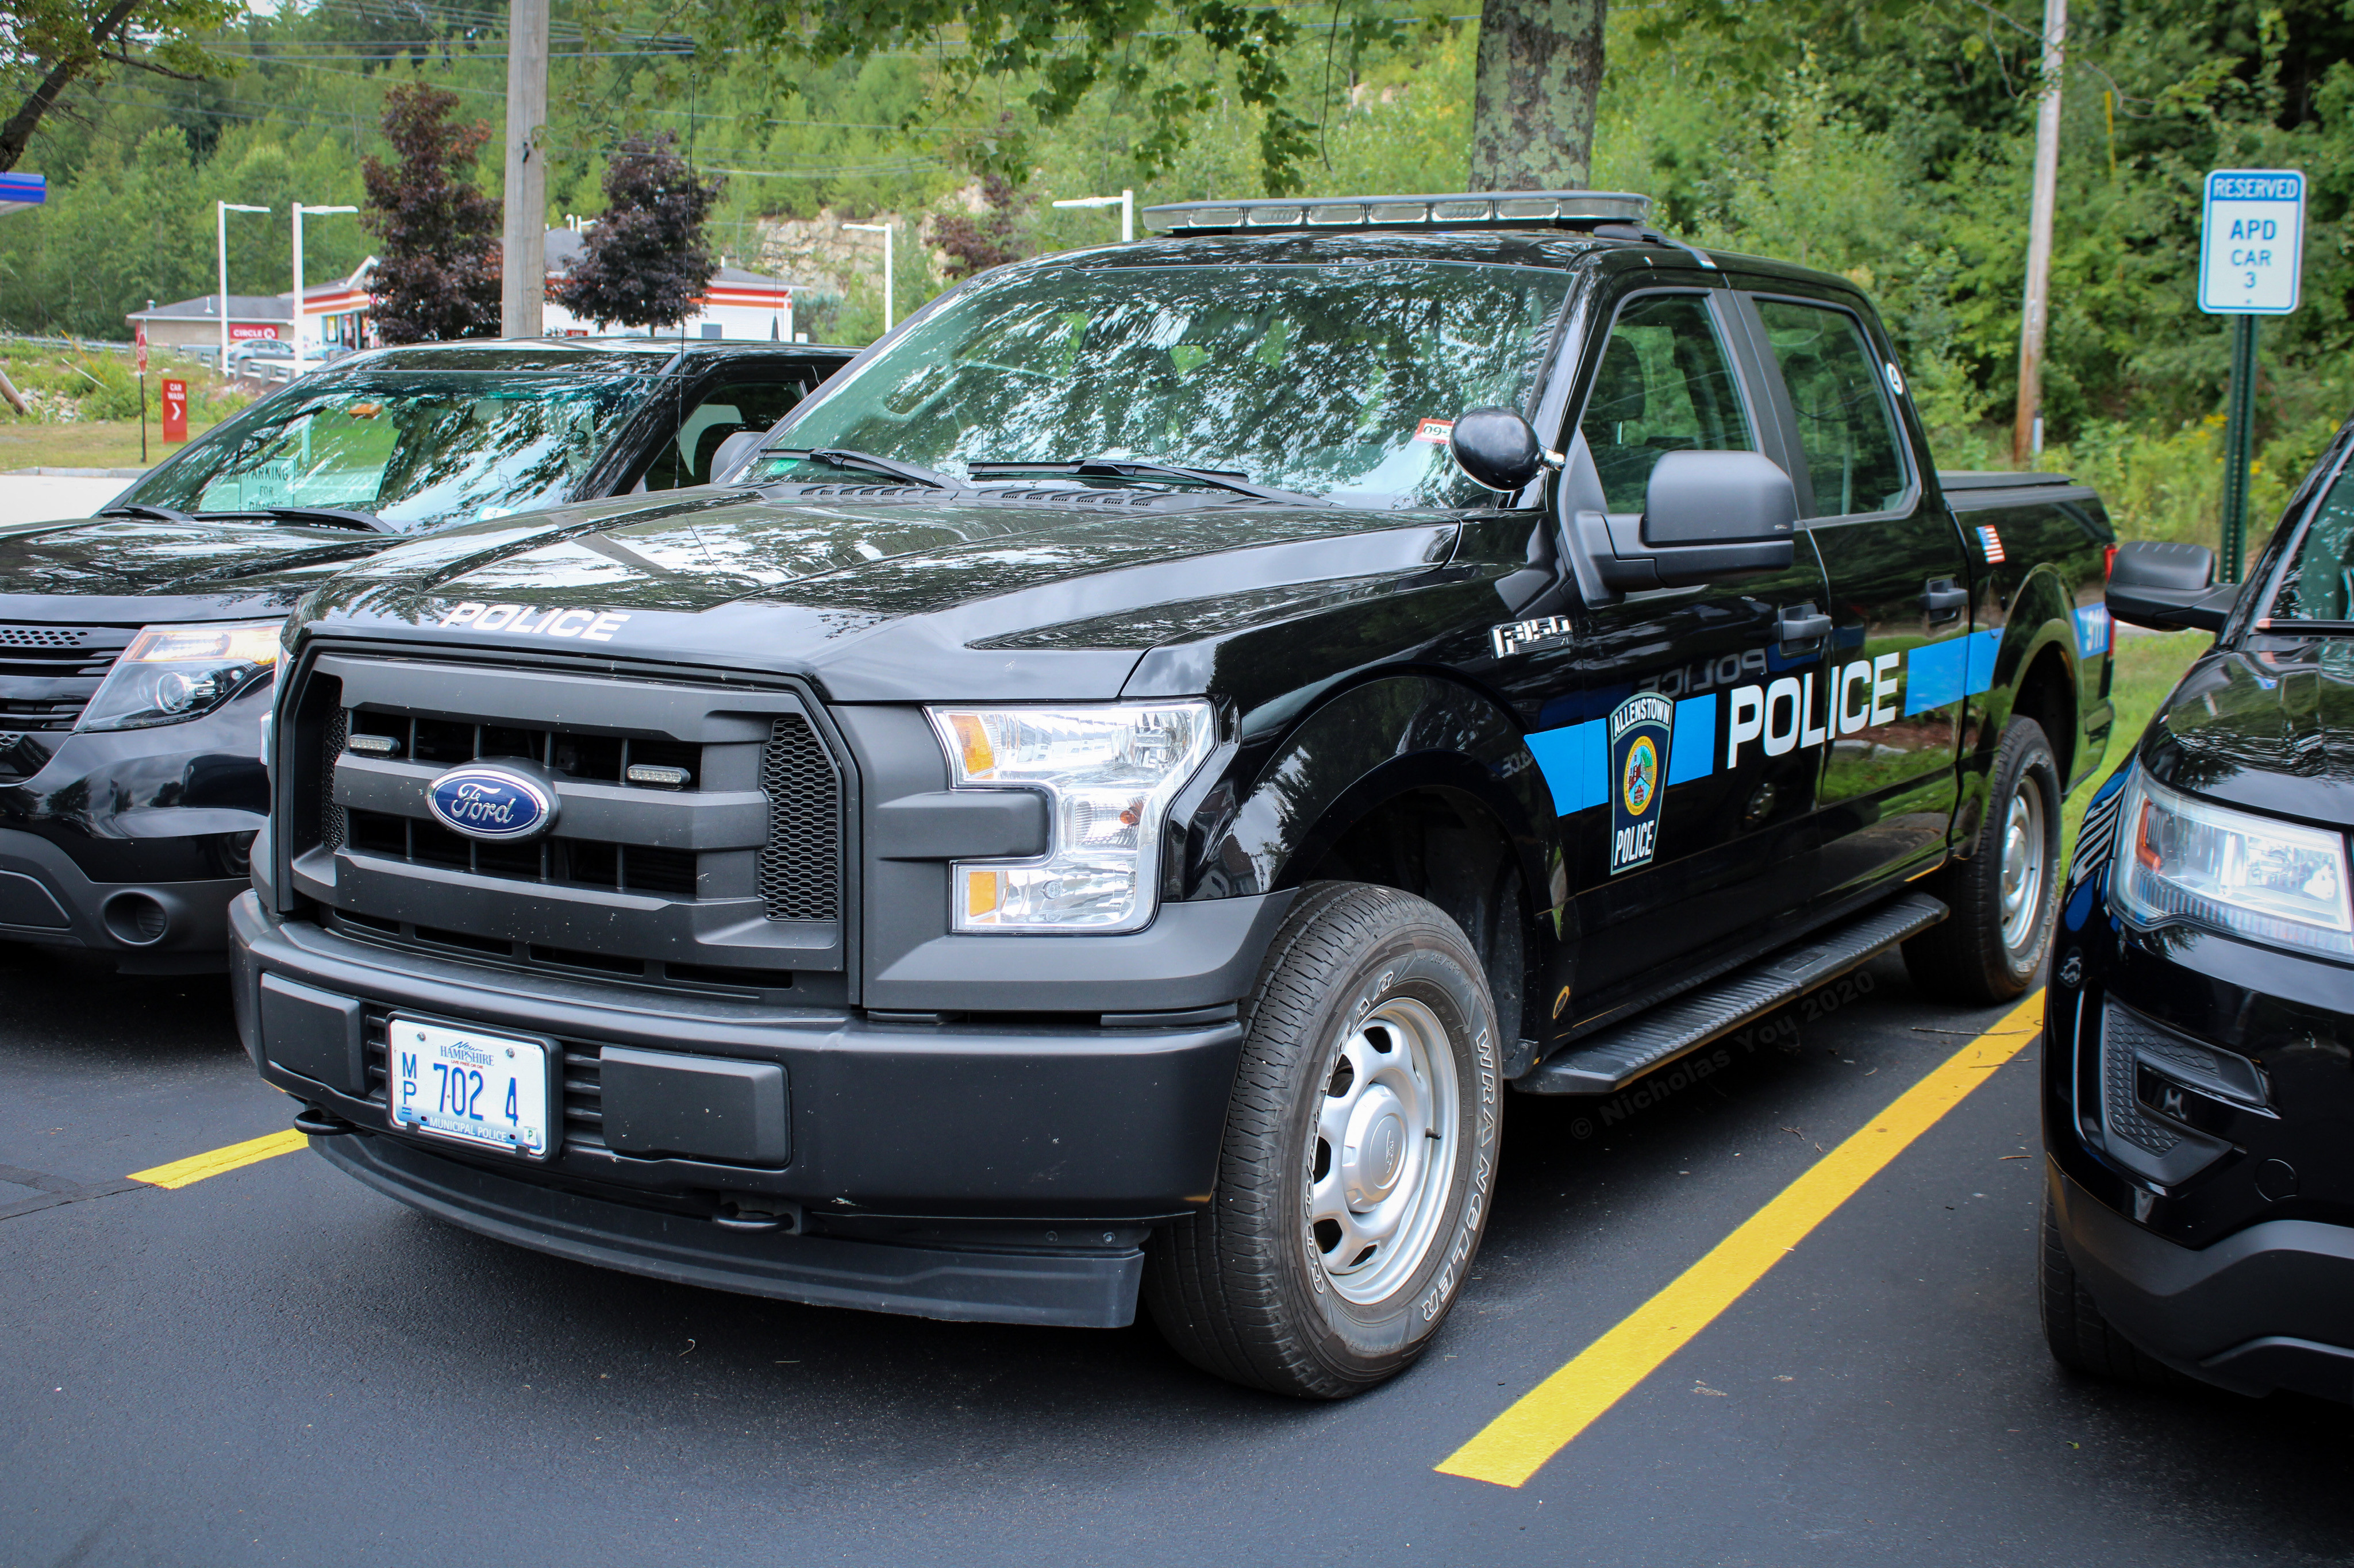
2026	437
225	208
523	293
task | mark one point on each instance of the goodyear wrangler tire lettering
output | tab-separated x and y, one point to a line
1354	1179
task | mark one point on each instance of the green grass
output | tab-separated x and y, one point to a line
86	443
2147	668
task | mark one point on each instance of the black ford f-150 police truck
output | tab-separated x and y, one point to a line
136	647
1111	795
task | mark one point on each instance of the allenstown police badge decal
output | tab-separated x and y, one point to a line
1640	729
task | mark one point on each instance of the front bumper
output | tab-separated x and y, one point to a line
148	926
2271	1306
1005	1172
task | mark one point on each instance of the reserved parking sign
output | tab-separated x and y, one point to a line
2251	246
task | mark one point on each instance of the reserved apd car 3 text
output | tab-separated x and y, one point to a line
2198	1213
136	648
1108	801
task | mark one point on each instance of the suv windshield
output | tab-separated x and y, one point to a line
417	449
2317	582
1333	380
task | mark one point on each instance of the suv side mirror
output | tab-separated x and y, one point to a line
1499	449
732	453
2167	586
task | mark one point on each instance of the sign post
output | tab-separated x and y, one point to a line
2251	264
175	409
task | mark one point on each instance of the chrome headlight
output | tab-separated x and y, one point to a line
1108	772
2183	859
175	673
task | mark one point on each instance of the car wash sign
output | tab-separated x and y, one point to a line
2251	248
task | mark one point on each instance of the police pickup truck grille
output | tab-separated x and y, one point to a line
48	675
699	833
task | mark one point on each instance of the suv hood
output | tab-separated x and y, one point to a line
884	593
130	570
2270	728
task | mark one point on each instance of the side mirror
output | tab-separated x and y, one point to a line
1718	498
1499	450
2167	586
732	453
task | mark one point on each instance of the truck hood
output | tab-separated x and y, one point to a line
2268	728
126	570
890	594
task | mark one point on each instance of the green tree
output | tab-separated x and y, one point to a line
52	46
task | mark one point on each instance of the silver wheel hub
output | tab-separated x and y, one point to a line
1382	1154
2020	880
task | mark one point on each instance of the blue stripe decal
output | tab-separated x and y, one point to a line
1572	760
1983	646
1693	753
1934	673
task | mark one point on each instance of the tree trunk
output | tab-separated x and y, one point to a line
18	131
1540	71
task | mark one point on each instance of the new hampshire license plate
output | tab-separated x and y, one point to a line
489	1089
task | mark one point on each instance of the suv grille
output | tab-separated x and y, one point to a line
48	675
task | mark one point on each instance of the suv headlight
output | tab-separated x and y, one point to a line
175	673
1108	773
2183	859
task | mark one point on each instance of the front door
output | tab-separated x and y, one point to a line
1897	668
1674	739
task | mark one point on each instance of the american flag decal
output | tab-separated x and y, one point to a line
1991	542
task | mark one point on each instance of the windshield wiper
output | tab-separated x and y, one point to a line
1123	468
141	509
333	516
850	457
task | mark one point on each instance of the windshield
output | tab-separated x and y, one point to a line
417	449
2318	580
1336	380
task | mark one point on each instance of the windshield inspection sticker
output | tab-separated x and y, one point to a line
1641	729
1435	431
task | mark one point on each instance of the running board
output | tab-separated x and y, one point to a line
1606	1063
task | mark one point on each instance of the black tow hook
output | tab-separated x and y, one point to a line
313	1122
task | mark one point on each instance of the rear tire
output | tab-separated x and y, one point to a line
1359	1159
2081	1338
2006	896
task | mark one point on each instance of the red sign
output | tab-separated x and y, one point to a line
139	359
175	409
242	334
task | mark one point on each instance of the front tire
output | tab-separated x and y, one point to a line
1359	1159
2006	896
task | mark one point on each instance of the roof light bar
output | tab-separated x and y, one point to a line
1505	209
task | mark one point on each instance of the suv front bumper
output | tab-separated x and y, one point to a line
2263	1308
994	1172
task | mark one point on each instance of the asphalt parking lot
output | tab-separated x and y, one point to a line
272	1364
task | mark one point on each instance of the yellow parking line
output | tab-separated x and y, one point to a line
197	1167
1516	1444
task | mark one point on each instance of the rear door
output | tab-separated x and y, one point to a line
1673	737
1896	670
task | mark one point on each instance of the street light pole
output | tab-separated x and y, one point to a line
225	208
299	210
1125	201
884	230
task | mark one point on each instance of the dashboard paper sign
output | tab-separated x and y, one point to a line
2251	248
176	408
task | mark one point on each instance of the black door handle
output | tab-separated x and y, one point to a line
1800	623
1944	599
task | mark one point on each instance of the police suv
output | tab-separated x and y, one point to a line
1111	791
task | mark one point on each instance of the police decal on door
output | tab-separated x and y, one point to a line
1640	730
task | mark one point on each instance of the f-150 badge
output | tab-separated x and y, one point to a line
1527	636
1640	730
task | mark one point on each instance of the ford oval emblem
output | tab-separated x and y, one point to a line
485	801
